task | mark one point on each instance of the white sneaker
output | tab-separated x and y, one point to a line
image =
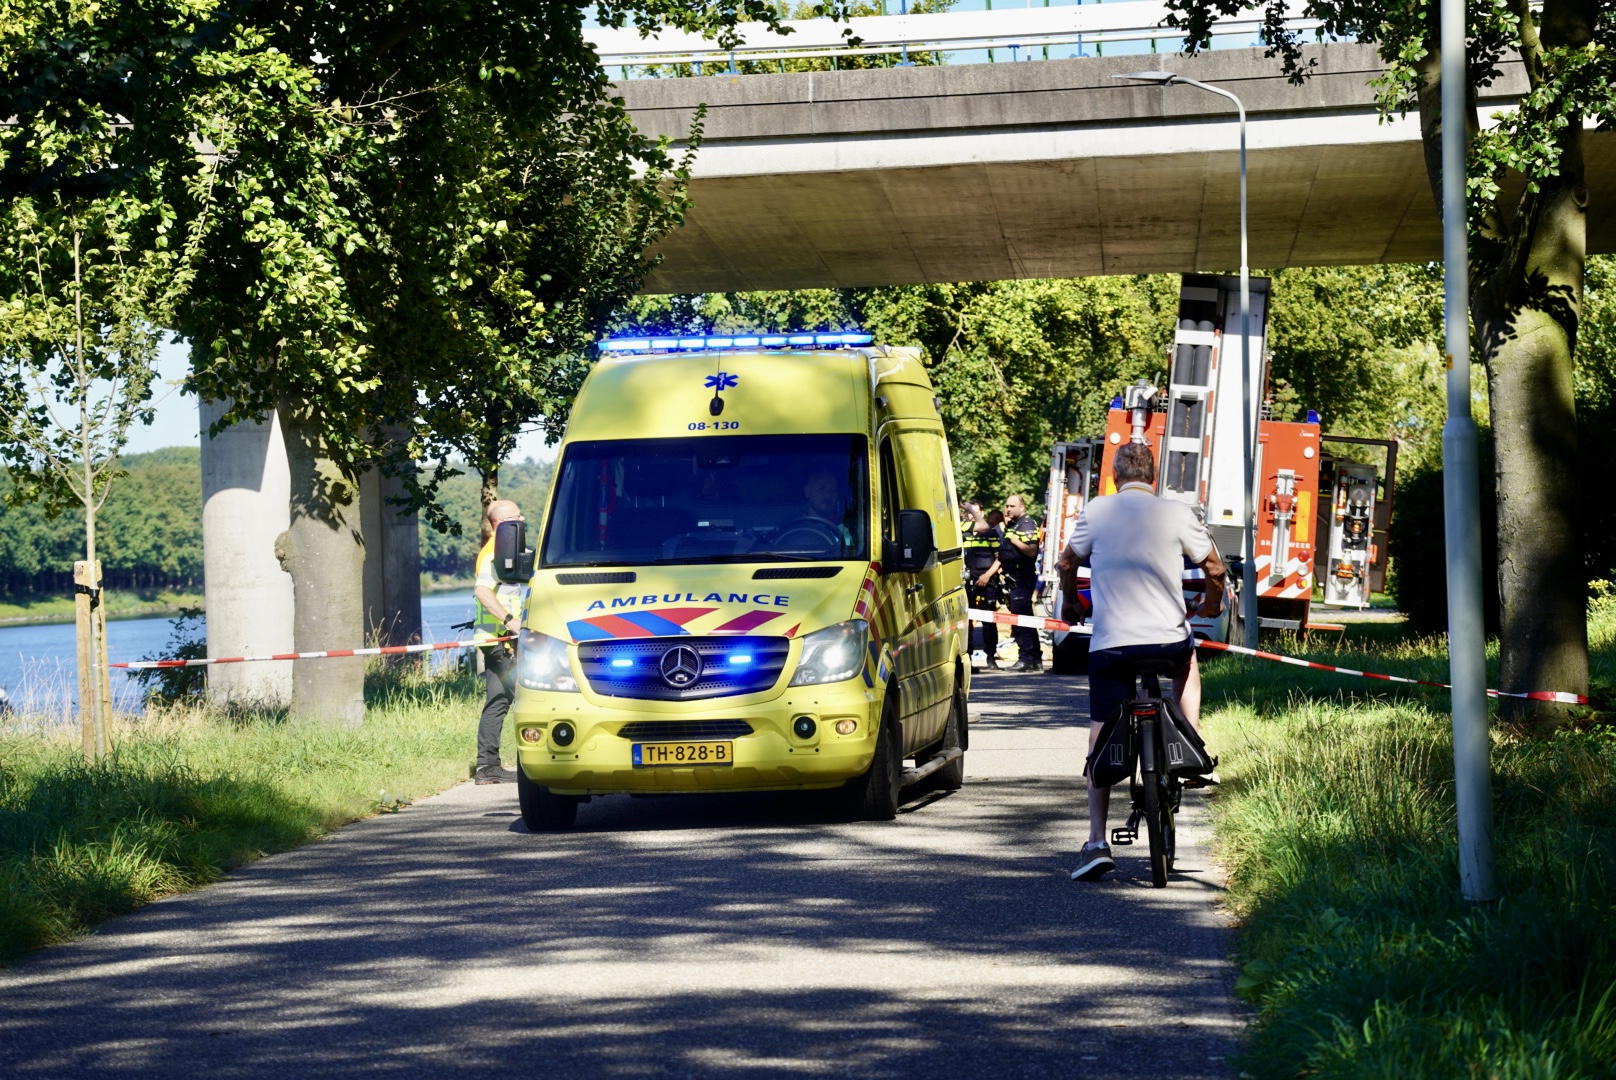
979	659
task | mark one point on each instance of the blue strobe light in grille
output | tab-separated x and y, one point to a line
653	669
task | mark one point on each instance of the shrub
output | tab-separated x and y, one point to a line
1419	580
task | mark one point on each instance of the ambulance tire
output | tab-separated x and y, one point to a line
951	777
875	795
542	809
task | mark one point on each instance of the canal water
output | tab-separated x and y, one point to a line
37	661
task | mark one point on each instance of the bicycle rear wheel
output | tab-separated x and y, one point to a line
1155	813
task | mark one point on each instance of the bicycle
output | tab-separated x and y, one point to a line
1158	751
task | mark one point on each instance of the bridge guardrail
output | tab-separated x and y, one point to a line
951	31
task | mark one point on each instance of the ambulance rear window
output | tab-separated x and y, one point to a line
719	498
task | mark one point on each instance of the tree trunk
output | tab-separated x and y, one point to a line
490	492
323	552
1526	316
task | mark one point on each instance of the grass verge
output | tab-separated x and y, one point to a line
191	792
1336	821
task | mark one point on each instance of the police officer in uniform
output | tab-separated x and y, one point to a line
1018	555
981	543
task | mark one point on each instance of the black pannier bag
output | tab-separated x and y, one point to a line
1182	752
1113	756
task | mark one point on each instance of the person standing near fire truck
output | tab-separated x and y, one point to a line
1018	555
981	539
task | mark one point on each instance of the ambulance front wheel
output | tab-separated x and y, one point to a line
874	796
542	809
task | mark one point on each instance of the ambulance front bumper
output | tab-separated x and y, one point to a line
766	742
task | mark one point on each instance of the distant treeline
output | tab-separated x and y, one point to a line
149	534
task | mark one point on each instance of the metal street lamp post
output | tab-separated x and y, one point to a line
1461	494
1248	580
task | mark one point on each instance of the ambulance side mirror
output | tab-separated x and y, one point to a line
915	549
513	559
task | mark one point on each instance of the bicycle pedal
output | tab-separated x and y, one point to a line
1123	837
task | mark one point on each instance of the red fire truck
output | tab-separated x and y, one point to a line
1195	428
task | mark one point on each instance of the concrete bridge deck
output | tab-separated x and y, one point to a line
1049	169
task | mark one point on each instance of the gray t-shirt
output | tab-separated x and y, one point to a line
1135	544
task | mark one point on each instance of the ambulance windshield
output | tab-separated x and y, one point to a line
708	499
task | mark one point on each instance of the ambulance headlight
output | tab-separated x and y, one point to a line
832	654
541	663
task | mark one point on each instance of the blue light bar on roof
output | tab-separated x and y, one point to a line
709	342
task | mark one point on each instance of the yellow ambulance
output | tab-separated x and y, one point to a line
748	579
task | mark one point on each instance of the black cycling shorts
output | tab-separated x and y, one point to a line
1111	678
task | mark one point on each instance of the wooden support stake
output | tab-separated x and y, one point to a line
103	671
82	624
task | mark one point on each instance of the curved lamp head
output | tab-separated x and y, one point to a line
1165	78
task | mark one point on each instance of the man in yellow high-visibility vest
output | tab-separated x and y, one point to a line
500	608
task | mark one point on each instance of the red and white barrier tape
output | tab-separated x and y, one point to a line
1037	623
1006	619
1532	695
383	650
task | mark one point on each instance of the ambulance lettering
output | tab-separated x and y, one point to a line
759	599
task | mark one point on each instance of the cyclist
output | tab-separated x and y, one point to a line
1136	544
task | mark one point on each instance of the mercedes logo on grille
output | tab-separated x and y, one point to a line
680	666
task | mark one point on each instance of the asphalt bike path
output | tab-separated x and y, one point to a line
709	936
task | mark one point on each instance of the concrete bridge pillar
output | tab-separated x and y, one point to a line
392	562
246	489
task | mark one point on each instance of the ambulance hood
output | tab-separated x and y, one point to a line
671	601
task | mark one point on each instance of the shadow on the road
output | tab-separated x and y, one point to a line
690	936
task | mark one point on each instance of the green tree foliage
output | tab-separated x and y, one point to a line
1527	207
571	221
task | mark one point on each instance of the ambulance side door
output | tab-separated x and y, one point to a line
923	483
903	592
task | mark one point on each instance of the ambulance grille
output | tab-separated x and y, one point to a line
730	665
669	730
